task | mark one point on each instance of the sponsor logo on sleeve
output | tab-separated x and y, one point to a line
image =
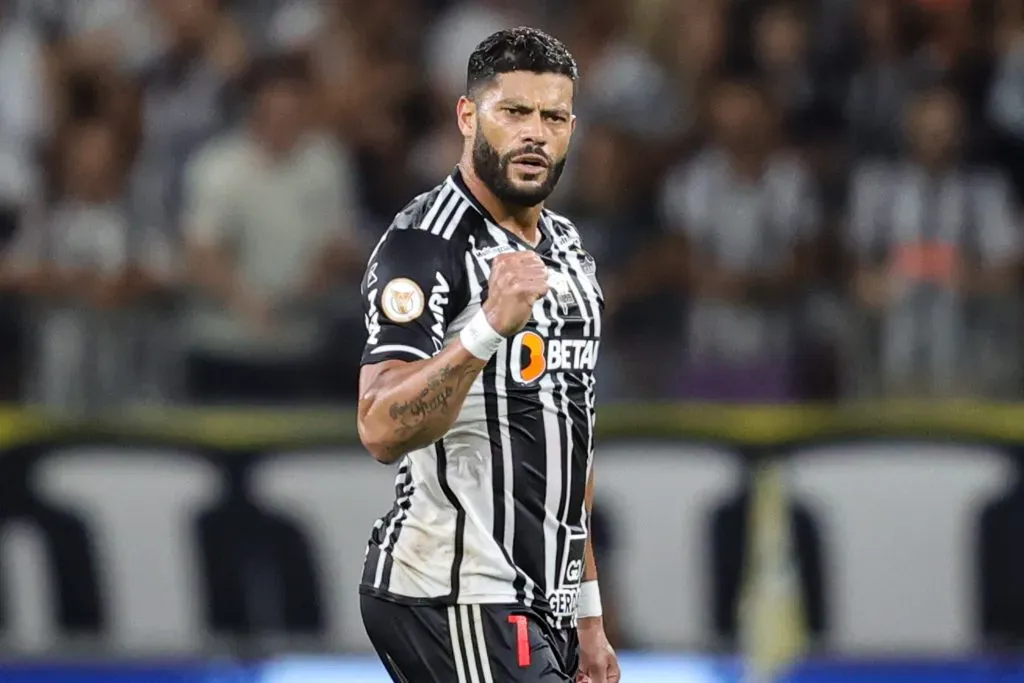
438	301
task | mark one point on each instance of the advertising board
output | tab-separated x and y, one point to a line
897	521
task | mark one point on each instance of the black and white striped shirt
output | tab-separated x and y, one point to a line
494	511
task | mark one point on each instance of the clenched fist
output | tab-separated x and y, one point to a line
517	280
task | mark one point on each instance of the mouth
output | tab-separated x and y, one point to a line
533	162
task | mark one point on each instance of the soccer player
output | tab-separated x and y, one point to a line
483	315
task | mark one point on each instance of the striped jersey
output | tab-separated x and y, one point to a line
494	511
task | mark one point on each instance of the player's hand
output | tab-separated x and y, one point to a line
598	663
517	280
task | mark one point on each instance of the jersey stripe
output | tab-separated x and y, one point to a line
583	397
446	193
403	501
574	447
496	404
559	456
505	499
388	348
457	640
478	631
552	450
456	220
472	659
444	218
460	518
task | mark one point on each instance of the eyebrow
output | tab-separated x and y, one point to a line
509	102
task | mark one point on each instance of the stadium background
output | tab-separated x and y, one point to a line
182	496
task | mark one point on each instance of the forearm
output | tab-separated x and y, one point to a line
589	563
590	596
411	405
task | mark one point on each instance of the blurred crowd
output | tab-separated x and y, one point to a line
787	199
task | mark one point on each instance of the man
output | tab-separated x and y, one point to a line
267	240
484	315
936	245
743	220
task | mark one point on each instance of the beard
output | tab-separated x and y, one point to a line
492	169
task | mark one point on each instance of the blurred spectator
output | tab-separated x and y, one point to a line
268	236
183	100
623	81
935	238
24	112
84	265
384	76
614	229
743	214
456	31
364	57
24	126
691	40
875	96
781	53
1005	106
101	35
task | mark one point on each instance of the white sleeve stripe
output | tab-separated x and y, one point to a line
455	221
439	201
388	348
442	217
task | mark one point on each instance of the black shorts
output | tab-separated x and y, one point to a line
464	643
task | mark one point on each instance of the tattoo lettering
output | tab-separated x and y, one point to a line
433	399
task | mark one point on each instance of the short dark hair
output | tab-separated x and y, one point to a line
748	80
519	49
274	70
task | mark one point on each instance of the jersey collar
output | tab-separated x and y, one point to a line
545	230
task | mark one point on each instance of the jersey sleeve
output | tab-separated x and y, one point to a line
411	293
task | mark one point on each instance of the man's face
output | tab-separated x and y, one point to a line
186	20
740	117
933	125
520	126
282	114
90	162
780	39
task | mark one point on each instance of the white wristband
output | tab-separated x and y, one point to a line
590	600
479	338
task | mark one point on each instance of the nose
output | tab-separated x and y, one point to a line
533	130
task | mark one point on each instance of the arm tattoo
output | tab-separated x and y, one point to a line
433	400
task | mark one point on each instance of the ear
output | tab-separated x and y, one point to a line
572	124
466	113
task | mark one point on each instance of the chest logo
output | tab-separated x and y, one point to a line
532	356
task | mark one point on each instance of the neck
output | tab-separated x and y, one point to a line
935	165
749	164
521	221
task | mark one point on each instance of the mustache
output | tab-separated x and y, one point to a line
529	149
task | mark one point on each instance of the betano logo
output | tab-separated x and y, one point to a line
533	356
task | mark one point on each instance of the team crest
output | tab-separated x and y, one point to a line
561	286
588	264
402	300
589	267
